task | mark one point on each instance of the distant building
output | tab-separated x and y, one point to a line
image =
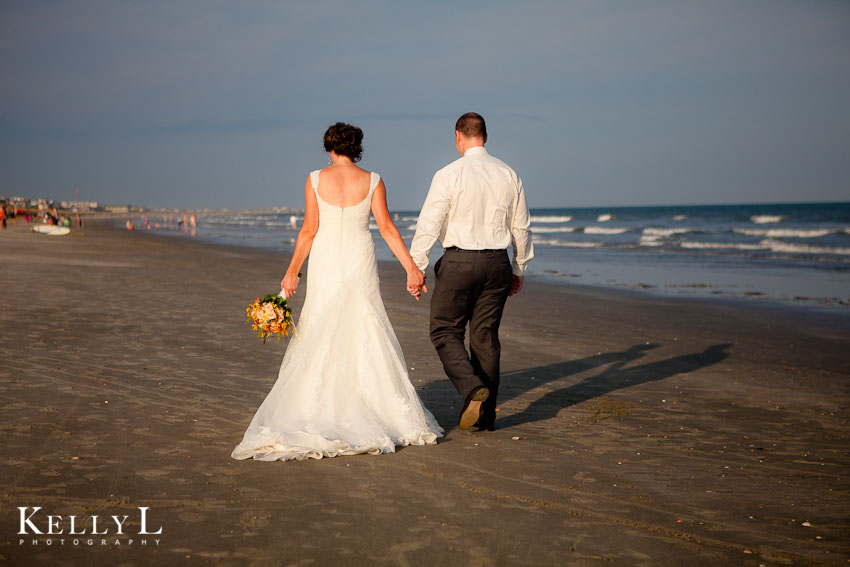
117	208
79	205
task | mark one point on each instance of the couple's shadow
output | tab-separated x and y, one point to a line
615	377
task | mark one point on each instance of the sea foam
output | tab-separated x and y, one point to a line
766	219
651	240
604	230
667	231
543	229
791	248
550	219
786	232
768	244
565	243
722	246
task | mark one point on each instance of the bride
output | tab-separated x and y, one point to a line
343	387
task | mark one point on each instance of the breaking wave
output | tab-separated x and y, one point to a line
604	230
667	231
766	219
768	244
544	229
566	243
550	219
786	232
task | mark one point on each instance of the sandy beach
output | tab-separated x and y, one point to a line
632	429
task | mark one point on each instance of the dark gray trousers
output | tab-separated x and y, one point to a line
471	287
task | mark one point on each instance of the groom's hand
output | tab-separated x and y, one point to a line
516	285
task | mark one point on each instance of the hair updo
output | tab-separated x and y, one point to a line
344	140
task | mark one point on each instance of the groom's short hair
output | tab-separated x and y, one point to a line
471	125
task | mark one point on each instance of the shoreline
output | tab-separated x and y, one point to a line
797	255
641	430
821	314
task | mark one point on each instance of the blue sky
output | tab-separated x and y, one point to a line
211	104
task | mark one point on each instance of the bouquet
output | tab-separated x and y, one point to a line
269	316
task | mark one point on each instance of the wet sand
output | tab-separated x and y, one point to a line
633	430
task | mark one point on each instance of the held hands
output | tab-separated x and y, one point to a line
416	283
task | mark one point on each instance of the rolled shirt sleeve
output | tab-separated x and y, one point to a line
521	243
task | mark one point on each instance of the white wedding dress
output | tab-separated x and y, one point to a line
343	386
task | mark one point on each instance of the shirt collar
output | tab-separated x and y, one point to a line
475	151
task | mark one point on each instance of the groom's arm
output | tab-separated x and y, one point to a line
521	235
430	222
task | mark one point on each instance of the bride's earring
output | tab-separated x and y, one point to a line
330	161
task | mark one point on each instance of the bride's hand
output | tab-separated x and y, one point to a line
289	284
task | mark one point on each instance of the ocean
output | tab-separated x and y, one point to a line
790	253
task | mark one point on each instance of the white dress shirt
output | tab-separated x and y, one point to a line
476	202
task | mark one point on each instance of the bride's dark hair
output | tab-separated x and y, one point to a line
344	140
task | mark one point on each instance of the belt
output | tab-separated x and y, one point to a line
487	250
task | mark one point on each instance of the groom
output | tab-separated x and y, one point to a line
475	207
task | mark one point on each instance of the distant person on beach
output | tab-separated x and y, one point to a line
3	217
343	386
476	208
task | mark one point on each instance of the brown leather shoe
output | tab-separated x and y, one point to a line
472	407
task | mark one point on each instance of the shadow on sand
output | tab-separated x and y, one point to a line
614	377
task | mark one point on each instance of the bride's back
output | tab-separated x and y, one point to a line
343	185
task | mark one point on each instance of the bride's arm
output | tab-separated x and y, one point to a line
309	227
415	277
